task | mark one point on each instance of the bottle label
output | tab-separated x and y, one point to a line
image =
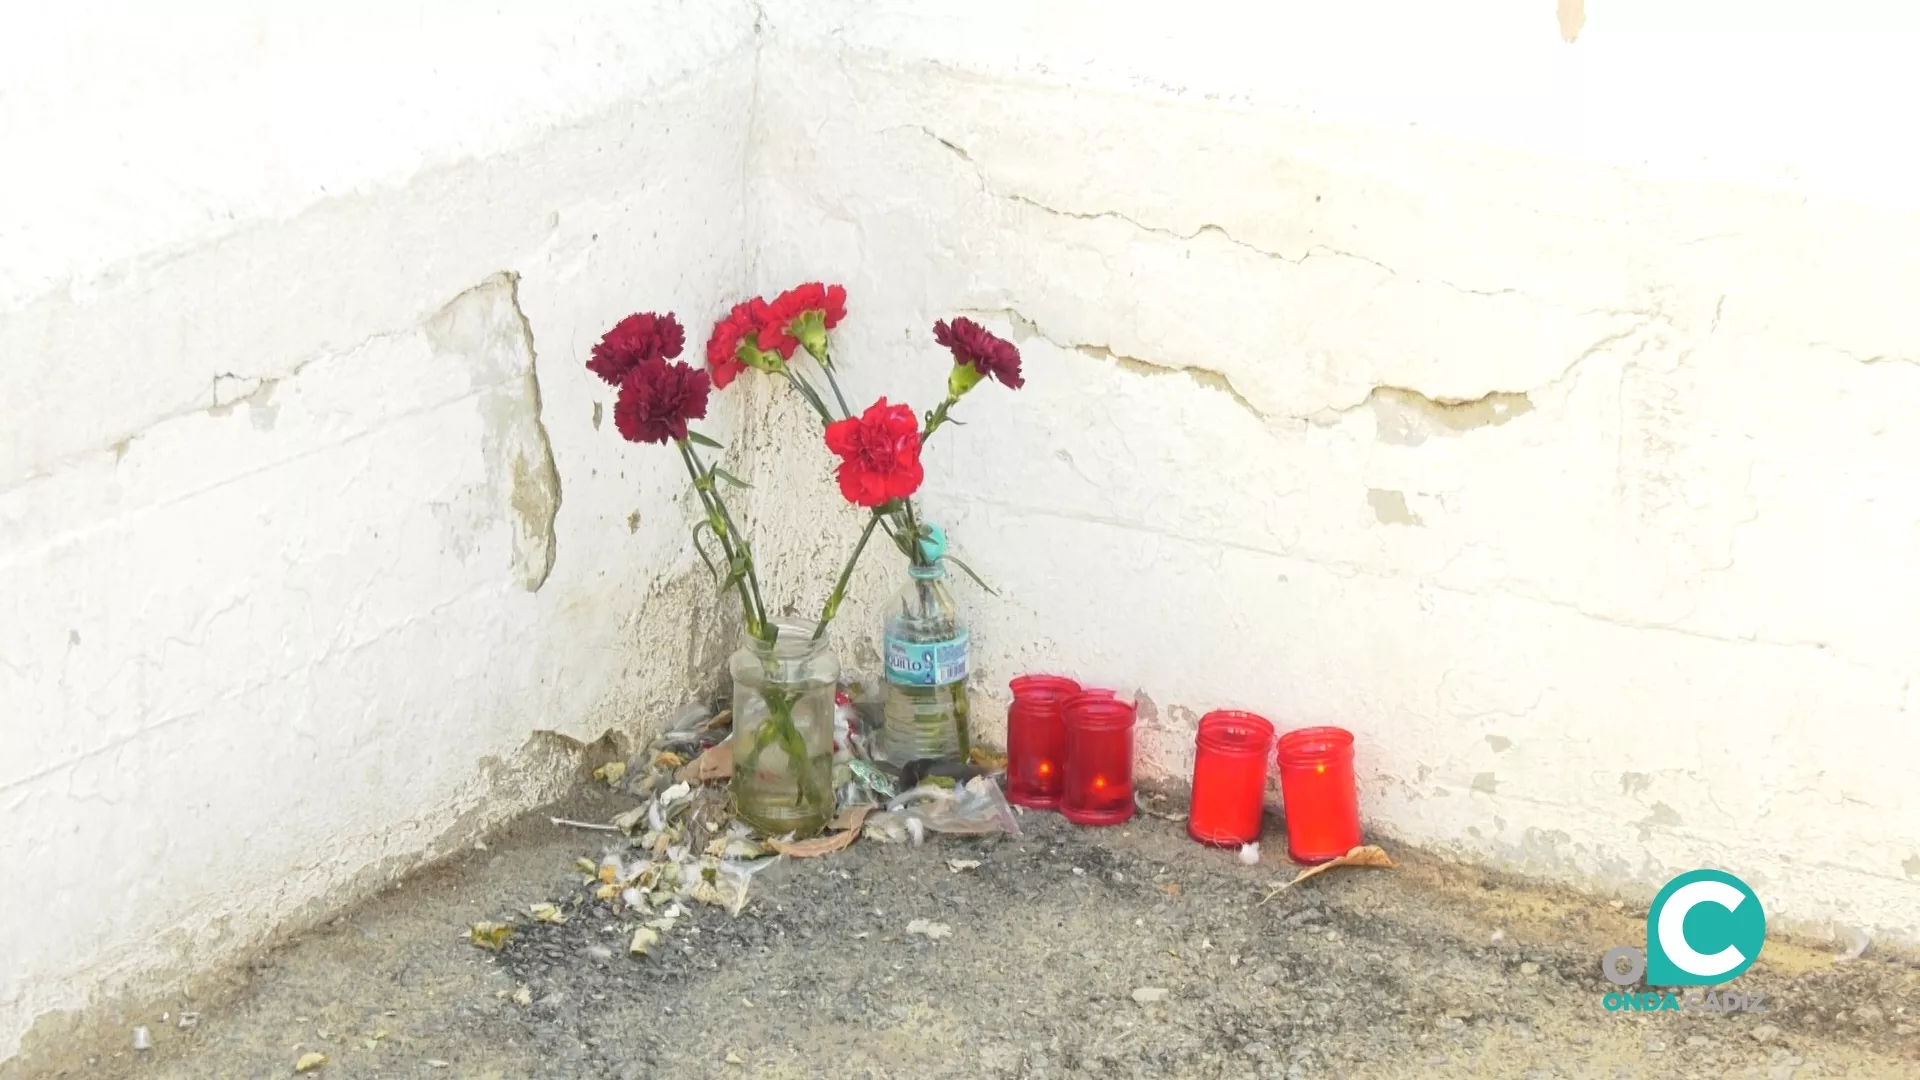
927	663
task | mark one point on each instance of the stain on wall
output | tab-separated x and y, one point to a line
1390	507
1573	17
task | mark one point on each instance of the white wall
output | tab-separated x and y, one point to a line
310	516
1537	411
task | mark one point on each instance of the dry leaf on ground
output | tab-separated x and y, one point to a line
849	822
490	935
849	817
612	772
547	913
1365	855
644	939
309	1062
990	760
715	763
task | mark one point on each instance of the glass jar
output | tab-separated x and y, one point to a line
1098	787
1317	793
1037	740
783	704
926	658
1229	778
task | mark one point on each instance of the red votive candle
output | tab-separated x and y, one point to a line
1099	760
1316	786
1229	778
1037	740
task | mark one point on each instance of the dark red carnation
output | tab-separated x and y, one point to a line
723	348
634	339
880	452
658	399
776	331
974	346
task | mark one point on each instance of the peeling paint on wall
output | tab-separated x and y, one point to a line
1390	507
485	328
1409	418
1573	17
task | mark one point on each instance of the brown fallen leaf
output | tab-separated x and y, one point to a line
1364	855
990	760
669	760
825	845
715	763
1171	888
849	817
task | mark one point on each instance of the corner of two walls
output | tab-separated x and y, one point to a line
324	554
1574	490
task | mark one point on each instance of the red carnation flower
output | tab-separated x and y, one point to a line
880	452
658	399
778	332
974	346
723	348
634	339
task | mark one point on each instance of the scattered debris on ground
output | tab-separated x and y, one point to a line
680	846
934	931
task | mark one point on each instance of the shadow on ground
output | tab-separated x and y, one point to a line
1432	970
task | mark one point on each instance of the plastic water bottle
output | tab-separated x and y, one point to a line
926	660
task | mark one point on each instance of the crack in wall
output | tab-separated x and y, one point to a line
1204	376
1210	229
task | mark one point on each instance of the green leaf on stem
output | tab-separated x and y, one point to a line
730	478
955	560
712	569
701	440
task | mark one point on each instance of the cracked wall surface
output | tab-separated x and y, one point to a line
1520	405
306	524
1549	440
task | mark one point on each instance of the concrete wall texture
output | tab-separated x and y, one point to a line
1532	408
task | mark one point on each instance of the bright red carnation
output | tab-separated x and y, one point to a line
777	333
658	399
880	452
634	339
723	348
974	346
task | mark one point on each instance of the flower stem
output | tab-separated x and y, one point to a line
832	605
916	555
807	391
827	367
750	604
938	417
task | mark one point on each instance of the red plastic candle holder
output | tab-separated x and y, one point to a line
1037	740
1229	778
1099	761
1317	788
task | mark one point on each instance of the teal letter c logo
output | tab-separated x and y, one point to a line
1704	928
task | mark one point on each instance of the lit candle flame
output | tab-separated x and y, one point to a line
1046	768
1320	768
1099	782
